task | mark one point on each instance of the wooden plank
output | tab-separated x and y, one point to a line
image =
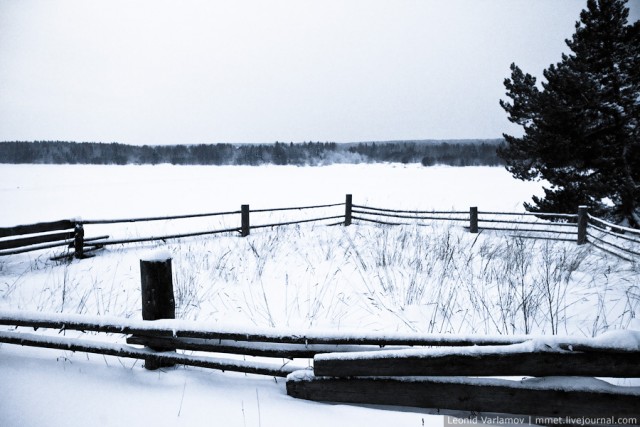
185	329
34	240
592	398
486	361
36	247
207	330
110	349
173	236
264	349
41	227
527	230
156	218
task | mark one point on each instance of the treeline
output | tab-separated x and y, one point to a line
454	153
467	153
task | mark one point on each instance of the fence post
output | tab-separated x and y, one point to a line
473	219
78	241
582	224
348	207
156	280
244	218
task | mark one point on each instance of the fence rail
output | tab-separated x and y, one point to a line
623	242
369	369
581	227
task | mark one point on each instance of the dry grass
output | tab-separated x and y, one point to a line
407	278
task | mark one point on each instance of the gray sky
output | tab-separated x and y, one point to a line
165	72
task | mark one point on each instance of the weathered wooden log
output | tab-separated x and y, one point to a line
38	247
186	329
41	227
162	359
264	349
157	295
34	240
513	360
165	237
575	397
190	329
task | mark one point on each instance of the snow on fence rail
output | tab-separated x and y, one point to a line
624	242
580	227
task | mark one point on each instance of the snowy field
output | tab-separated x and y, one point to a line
31	193
313	277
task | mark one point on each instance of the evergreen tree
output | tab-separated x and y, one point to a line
581	126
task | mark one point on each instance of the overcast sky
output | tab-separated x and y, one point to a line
165	72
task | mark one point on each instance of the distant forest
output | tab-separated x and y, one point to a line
429	153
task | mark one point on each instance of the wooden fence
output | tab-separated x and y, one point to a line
580	227
447	378
46	235
436	371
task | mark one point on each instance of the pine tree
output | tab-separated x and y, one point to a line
581	124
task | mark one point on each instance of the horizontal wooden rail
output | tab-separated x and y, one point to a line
184	329
172	236
32	248
41	227
512	360
544	224
375	221
118	350
538	214
553	239
359	218
536	397
612	252
433	218
301	221
296	208
615	235
67	242
189	329
528	230
628	251
155	218
288	351
34	240
412	212
617	227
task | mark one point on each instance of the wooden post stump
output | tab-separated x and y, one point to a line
157	296
348	208
244	219
78	241
473	219
583	216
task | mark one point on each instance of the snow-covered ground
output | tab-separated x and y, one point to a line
309	277
31	193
